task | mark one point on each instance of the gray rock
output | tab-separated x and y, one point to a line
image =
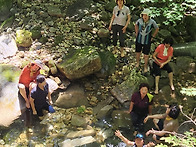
54	10
82	133
74	96
103	33
78	121
77	141
105	111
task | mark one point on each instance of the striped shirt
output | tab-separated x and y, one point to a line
145	30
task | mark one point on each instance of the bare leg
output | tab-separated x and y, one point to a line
122	51
157	84
146	57
170	75
24	95
138	58
155	123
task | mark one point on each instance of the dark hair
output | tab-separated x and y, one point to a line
168	40
40	78
124	1
144	85
174	111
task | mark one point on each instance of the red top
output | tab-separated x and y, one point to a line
25	76
160	50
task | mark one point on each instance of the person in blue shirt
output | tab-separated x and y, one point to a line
40	97
144	36
139	140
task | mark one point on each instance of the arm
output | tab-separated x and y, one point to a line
157	116
127	23
150	144
155	57
112	19
159	133
130	107
49	98
33	105
136	30
150	109
155	33
125	140
168	60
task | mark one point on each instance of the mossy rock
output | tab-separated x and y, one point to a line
24	38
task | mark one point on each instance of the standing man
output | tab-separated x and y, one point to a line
143	30
27	76
119	22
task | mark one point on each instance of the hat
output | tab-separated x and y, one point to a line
145	11
139	136
39	63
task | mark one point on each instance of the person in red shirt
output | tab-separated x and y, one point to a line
162	56
27	77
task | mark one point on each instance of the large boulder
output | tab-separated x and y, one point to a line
9	103
80	63
8	46
190	24
185	49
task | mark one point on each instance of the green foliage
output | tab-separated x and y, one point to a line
81	109
171	11
187	140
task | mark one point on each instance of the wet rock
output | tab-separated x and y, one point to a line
74	96
104	112
184	63
77	142
80	63
23	38
82	133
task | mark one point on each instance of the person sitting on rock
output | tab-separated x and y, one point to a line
166	126
139	140
26	79
162	56
40	97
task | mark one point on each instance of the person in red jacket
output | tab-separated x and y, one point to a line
162	56
27	77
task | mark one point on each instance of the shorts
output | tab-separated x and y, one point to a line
47	107
145	48
157	69
160	125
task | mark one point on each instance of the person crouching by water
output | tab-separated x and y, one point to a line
139	140
27	79
38	97
140	107
119	22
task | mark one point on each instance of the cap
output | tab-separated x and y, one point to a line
39	63
139	136
146	11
